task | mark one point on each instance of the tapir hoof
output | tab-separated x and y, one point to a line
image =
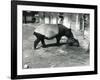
44	46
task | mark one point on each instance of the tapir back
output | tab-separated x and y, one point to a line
48	30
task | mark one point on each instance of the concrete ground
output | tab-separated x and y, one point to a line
52	56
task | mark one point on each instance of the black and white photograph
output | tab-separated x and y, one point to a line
53	39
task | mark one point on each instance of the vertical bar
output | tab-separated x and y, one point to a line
77	22
13	39
83	24
95	39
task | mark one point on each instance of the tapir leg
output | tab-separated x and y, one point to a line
36	43
43	42
39	38
58	39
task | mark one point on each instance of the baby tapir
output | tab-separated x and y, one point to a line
50	31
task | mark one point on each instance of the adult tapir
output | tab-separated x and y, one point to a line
50	31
